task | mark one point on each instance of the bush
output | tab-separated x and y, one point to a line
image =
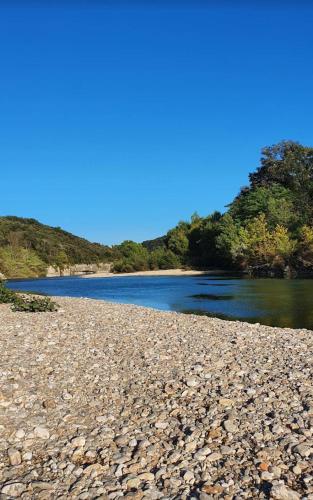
7	296
34	304
123	266
24	303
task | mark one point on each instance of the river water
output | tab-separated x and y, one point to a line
284	303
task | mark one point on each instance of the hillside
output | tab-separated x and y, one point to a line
28	247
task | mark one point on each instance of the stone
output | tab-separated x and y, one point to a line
282	492
13	489
214	489
214	457
191	446
94	470
192	382
27	456
49	404
189	477
14	456
297	470
41	432
146	476
78	442
133	483
263	466
227	402
20	434
303	449
230	426
161	425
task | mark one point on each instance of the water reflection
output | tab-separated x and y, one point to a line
211	296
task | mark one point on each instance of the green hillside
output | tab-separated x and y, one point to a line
28	247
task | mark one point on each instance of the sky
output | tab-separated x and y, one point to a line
118	119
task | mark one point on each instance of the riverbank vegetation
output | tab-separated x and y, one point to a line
25	302
266	230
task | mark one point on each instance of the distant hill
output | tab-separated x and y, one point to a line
155	243
28	247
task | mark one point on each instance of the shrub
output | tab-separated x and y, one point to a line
34	304
7	296
26	303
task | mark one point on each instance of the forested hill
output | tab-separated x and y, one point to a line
28	247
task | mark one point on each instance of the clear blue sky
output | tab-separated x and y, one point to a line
115	123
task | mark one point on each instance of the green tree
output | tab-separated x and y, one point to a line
177	240
283	247
162	258
231	242
305	247
289	164
275	202
61	260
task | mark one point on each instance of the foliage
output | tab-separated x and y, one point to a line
305	246
230	242
177	241
202	236
132	257
161	258
151	245
290	165
34	304
7	296
25	303
275	202
19	262
135	257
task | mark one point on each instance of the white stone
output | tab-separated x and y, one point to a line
13	489
20	434
281	492
78	442
14	456
41	432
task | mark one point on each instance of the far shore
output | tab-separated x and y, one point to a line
159	272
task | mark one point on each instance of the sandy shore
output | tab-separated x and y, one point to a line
108	401
159	272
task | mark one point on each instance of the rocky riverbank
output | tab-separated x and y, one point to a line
107	401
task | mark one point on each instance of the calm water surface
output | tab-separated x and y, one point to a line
286	303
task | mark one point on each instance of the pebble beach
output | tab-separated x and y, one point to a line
109	401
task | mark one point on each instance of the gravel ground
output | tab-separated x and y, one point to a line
106	401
